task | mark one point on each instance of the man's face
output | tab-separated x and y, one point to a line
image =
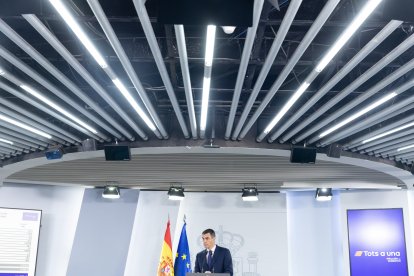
208	241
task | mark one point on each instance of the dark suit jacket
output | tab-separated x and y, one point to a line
221	262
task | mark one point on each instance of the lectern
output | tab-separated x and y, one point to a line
207	274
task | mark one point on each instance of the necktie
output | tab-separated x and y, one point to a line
209	257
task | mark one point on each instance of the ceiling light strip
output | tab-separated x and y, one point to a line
396	149
126	64
25	46
11	146
159	60
390	144
109	71
208	63
244	62
358	114
17	142
267	65
2	140
343	72
388	132
346	35
47	110
44	99
300	50
357	142
382	114
31	119
185	70
24	126
77	30
58	46
378	143
399	50
121	87
366	95
57	107
22	139
377	121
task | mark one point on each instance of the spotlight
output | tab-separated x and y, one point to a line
323	194
228	29
176	193
111	192
54	153
250	194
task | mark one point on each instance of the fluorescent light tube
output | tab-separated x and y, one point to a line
287	106
57	107
24	126
65	14
359	114
406	147
356	23
211	37
133	103
388	132
204	103
6	141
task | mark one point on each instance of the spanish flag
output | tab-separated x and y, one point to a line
165	268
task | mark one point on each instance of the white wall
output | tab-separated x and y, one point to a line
60	211
255	232
314	235
298	234
148	231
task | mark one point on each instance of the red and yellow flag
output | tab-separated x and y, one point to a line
165	268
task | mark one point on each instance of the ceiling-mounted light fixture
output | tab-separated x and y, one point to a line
208	63
228	29
388	132
323	194
358	114
176	193
57	107
6	141
111	192
369	7
250	194
405	148
77	30
24	126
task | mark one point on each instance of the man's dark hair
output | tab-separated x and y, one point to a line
209	231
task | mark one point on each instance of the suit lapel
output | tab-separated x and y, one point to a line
215	256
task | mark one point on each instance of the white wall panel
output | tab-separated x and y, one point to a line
60	206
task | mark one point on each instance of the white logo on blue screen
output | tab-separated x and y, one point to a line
390	256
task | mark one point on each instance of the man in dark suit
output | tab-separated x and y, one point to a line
214	259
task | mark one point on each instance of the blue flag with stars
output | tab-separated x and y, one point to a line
182	263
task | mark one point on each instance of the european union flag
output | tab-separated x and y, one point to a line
182	263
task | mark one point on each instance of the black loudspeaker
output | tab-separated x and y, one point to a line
398	10
334	150
237	13
303	155
117	153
